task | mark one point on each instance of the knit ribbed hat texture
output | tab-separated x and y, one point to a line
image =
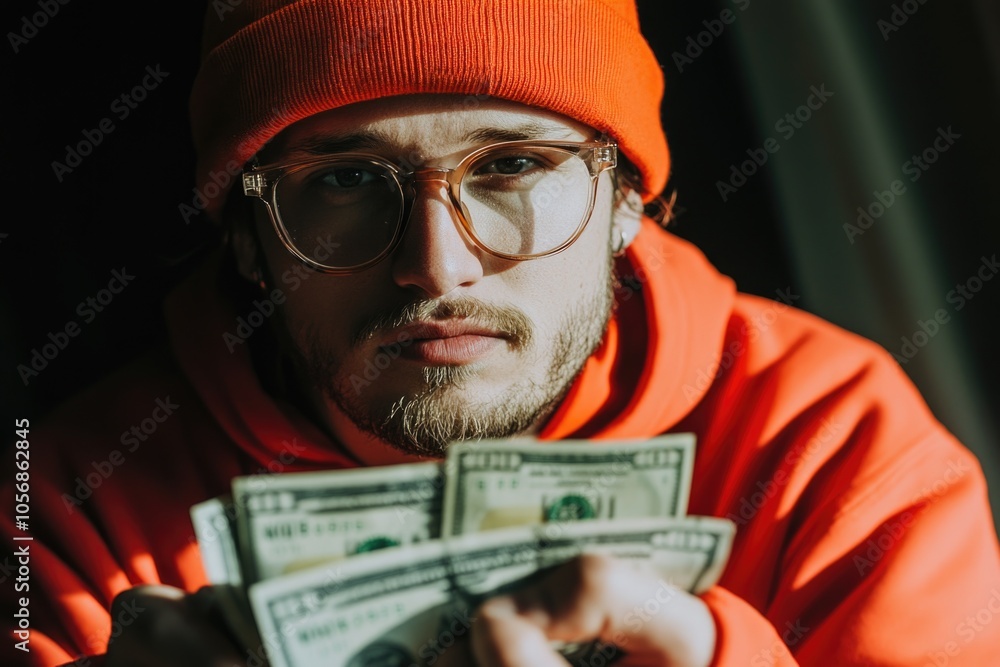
269	63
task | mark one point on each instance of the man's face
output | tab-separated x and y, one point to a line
441	340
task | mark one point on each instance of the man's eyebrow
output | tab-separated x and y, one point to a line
327	145
487	135
376	141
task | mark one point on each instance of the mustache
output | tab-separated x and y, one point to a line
511	322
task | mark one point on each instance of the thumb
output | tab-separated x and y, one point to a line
503	637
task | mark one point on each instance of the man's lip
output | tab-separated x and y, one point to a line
446	343
447	329
451	351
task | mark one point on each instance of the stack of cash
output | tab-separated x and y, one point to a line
387	565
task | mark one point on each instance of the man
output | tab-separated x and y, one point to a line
461	184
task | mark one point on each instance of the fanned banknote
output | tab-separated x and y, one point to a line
214	524
403	606
291	521
501	483
446	535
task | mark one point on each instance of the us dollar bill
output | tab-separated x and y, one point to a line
497	484
405	606
295	520
214	524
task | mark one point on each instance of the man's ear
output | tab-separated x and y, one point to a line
627	217
246	251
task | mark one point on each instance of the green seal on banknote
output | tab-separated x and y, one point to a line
570	508
376	543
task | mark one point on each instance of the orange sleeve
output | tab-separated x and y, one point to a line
743	636
920	587
865	534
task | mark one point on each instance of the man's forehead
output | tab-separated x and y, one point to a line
426	125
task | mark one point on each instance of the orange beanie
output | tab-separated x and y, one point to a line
269	63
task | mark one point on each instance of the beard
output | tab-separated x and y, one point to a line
425	421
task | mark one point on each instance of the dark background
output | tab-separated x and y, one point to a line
783	229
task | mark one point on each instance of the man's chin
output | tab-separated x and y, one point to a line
406	380
448	406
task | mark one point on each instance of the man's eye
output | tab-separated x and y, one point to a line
347	178
509	166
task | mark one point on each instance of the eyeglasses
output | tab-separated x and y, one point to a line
516	200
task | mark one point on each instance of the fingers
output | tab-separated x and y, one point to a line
503	636
162	626
597	598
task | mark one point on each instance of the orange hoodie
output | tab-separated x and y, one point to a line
864	532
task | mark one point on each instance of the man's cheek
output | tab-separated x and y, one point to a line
318	334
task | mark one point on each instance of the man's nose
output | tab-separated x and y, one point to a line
435	255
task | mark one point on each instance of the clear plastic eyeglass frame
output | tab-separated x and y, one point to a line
260	181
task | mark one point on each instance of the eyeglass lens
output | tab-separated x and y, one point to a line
517	201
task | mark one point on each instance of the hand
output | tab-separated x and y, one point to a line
595	597
162	626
